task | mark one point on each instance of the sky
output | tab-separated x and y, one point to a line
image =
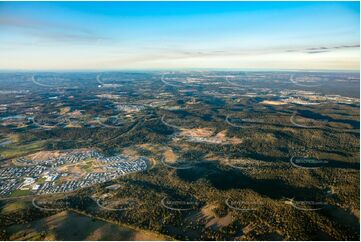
179	35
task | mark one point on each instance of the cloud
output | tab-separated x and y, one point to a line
323	49
174	53
316	51
48	31
182	54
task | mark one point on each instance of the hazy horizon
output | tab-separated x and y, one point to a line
109	36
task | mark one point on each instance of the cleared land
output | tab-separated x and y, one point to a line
73	226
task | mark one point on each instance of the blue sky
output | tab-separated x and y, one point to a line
179	35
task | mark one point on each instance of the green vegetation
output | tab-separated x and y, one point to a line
41	180
18	193
87	166
12	207
71	225
254	170
18	150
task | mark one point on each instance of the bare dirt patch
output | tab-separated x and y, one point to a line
276	103
75	113
210	219
206	135
44	155
64	110
198	132
154	148
170	156
131	152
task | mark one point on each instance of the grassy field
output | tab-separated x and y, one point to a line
73	226
18	193
16	150
14	207
41	181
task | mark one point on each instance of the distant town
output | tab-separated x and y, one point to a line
43	176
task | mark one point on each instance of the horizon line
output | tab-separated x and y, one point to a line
180	69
